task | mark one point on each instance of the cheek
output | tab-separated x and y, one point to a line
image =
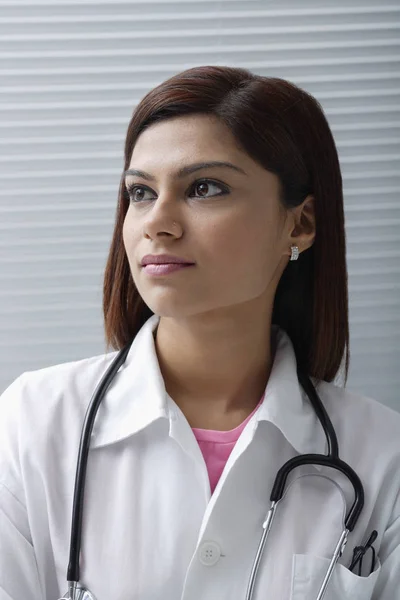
128	229
249	239
124	232
128	236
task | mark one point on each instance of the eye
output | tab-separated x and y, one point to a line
132	192
203	187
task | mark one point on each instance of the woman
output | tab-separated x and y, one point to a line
237	176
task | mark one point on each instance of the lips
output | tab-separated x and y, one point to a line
165	268
163	259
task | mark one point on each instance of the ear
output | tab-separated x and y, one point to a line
303	231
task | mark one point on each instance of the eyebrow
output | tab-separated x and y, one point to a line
187	170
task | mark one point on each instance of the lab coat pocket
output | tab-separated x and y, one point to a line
309	572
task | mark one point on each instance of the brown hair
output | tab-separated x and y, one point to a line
284	129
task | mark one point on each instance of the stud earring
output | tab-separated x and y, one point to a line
295	252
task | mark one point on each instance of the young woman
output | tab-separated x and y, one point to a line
226	285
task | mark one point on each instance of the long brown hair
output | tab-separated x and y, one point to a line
284	129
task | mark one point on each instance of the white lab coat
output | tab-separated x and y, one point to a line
151	529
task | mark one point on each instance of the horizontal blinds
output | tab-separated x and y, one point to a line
72	72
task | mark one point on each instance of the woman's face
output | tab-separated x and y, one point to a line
227	221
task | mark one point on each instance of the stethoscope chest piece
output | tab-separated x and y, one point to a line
78	593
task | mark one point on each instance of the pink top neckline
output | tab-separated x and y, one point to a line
232	435
216	447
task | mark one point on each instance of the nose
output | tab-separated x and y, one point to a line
162	218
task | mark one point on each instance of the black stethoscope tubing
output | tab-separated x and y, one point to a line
331	460
81	467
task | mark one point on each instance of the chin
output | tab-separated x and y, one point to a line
173	309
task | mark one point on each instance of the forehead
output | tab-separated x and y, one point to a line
186	138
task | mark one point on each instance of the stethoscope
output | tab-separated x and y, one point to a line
76	591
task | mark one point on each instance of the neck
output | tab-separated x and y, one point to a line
215	367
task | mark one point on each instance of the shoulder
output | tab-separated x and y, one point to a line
44	386
62	390
345	402
38	408
363	424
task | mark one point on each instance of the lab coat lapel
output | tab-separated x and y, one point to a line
286	407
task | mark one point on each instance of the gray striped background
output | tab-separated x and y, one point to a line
70	75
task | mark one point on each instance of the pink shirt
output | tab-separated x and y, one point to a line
216	447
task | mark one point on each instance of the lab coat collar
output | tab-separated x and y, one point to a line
285	403
137	397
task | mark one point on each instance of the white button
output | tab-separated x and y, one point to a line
209	554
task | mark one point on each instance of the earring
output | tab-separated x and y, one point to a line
295	253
